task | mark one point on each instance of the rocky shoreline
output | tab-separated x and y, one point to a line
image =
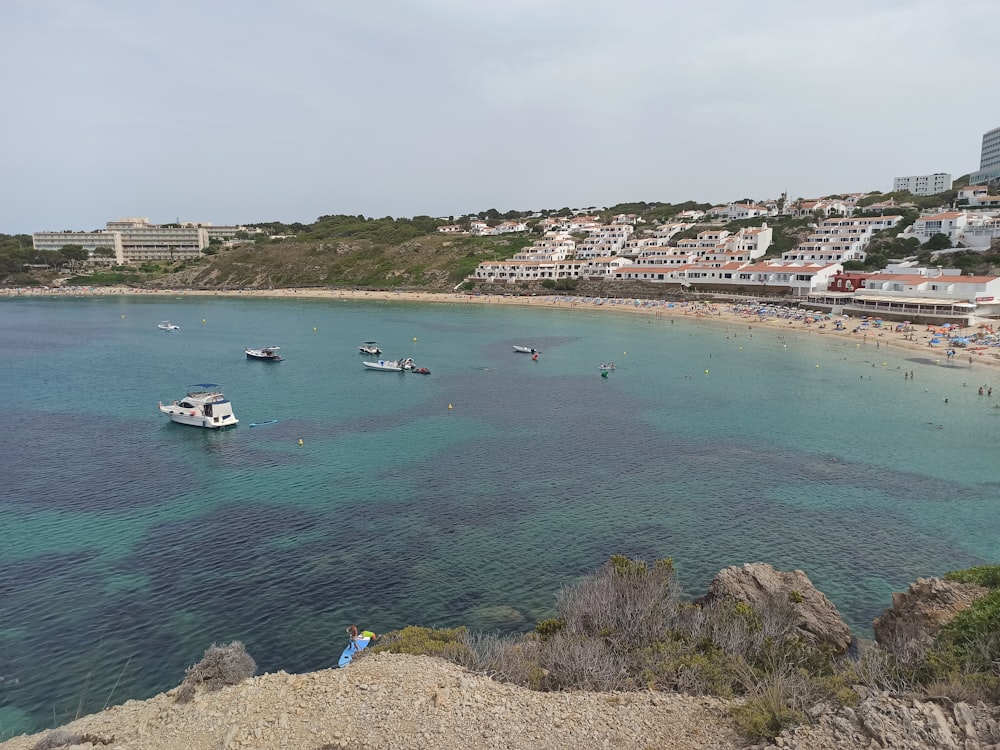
398	701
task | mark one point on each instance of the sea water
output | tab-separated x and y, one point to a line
129	544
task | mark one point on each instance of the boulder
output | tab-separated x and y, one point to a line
788	597
909	625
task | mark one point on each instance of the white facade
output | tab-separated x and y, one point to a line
949	223
839	240
924	184
607	239
89	241
135	239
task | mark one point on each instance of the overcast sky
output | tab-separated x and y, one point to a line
237	111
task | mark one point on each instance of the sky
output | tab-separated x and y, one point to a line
243	111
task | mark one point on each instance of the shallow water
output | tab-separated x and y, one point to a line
130	544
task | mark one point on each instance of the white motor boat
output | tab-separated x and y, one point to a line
390	365
525	349
203	406
267	354
166	325
370	348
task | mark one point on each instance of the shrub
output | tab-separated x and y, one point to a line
63	738
987	576
627	602
776	701
220	666
448	644
973	635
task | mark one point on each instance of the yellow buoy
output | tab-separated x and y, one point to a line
817	367
202	320
706	372
314	329
414	339
449	407
301	442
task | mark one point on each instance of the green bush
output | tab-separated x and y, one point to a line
987	576
448	644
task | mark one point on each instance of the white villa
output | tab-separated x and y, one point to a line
973	229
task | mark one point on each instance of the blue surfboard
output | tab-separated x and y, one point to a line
350	651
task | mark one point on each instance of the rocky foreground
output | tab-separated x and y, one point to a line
391	701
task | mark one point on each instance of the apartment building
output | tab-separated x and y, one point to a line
839	240
924	184
989	159
136	240
89	241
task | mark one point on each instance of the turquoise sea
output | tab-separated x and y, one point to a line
128	544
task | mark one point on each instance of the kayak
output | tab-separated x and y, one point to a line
350	651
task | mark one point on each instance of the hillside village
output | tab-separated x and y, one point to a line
728	248
816	252
817	270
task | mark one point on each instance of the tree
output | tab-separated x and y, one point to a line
75	255
104	253
938	241
51	258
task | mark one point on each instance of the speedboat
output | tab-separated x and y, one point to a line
525	349
390	365
166	325
267	353
370	348
203	406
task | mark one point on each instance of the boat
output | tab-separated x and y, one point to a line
166	325
203	406
525	349
390	365
267	354
349	652
370	348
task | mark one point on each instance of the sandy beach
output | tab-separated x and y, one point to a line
789	321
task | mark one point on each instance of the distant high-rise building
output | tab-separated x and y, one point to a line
924	184
989	161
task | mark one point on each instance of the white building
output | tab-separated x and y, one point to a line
89	241
949	223
931	287
924	184
798	279
604	239
840	240
136	240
